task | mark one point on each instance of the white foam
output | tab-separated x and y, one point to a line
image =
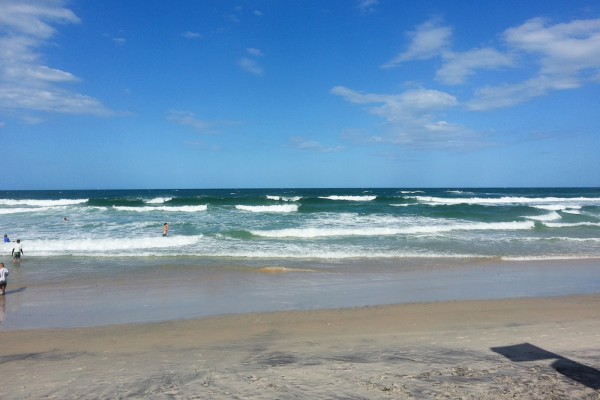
28	210
339	254
108	246
572	202
570	225
557	257
317	232
281	208
553	207
349	198
159	200
283	198
42	203
551	216
189	209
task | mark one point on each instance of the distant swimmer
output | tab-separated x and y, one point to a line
66	219
165	229
6	239
3	278
17	251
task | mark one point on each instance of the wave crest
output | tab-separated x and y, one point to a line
282	208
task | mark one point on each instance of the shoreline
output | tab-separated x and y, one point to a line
99	294
546	347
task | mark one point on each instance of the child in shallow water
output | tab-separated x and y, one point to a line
3	279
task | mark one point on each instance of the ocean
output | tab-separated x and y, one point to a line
98	257
317	224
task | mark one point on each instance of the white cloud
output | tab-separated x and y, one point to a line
26	83
413	119
510	95
568	55
254	52
413	106
250	66
459	66
367	5
33	18
565	48
49	100
428	40
312	145
119	41
191	35
187	118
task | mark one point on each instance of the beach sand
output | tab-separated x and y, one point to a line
529	348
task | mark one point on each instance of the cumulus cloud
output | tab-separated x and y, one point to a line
34	18
27	84
458	67
567	55
411	107
565	48
508	95
413	118
428	40
564	55
432	39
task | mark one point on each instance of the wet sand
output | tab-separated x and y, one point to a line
533	348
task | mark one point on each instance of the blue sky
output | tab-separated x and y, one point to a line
289	93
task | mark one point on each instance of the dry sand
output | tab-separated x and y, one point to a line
536	348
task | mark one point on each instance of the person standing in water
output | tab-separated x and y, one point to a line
17	251
3	279
165	230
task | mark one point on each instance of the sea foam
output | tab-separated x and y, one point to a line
42	203
282	208
508	200
349	198
315	232
188	209
284	198
108	246
159	200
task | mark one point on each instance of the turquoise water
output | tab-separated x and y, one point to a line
315	224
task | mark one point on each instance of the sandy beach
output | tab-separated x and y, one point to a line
535	348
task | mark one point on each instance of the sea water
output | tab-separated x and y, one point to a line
99	257
317	224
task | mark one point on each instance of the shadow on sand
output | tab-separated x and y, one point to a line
583	374
19	290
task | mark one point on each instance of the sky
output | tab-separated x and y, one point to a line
143	94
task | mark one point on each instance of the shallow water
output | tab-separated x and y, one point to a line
179	288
